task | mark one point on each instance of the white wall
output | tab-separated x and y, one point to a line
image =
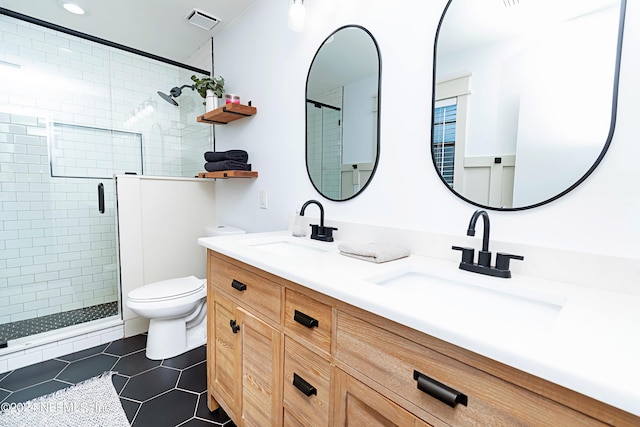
263	61
564	136
359	121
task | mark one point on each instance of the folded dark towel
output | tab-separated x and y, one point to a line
227	165
217	156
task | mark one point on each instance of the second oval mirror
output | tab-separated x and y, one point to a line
524	97
343	113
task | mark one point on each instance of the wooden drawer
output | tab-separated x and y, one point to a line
391	361
306	385
358	405
248	288
309	320
291	421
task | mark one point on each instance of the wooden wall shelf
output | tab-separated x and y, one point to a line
229	174
226	114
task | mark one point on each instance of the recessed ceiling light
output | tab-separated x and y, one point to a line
73	8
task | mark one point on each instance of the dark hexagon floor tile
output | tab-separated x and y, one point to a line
84	353
128	345
4	394
34	374
169	409
135	363
151	383
41	389
197	422
187	359
119	382
194	378
217	416
130	408
87	368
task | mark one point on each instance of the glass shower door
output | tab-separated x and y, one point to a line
58	248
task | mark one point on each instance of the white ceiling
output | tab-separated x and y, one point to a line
153	26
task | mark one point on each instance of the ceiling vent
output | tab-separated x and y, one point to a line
202	19
510	3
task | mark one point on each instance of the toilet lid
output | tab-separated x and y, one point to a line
168	289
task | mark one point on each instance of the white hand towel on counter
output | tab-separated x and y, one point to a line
373	252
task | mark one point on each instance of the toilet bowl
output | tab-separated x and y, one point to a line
176	309
177	314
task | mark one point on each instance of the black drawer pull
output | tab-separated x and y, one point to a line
238	285
306	388
438	390
305	320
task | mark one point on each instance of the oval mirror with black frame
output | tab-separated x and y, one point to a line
343	113
525	96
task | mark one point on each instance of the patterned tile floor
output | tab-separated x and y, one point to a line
27	327
159	393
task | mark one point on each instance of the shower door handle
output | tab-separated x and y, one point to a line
101	198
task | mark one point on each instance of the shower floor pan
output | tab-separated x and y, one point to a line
37	325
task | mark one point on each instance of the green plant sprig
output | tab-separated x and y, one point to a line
216	84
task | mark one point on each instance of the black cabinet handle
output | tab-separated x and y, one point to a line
306	388
238	285
305	320
101	198
234	326
438	390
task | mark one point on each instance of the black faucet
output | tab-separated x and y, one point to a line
484	256
319	232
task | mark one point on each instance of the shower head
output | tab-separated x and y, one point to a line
174	93
167	98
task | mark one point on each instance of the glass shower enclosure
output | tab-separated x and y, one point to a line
74	112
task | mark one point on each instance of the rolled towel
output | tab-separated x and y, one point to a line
217	156
227	165
373	252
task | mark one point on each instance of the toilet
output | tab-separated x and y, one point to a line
176	309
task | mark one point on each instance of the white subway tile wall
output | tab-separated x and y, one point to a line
57	252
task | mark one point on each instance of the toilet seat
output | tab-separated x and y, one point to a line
166	290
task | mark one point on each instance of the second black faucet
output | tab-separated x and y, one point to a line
483	266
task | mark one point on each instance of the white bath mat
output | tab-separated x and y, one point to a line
91	403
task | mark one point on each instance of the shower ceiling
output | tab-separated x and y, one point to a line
158	27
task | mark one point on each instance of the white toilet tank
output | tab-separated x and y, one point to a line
222	230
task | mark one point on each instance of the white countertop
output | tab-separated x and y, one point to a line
585	339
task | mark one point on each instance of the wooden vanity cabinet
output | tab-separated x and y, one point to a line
282	354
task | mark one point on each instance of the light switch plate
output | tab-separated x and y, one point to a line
263	199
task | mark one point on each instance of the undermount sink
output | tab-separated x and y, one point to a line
485	303
290	247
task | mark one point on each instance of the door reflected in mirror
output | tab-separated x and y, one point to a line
525	96
342	113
